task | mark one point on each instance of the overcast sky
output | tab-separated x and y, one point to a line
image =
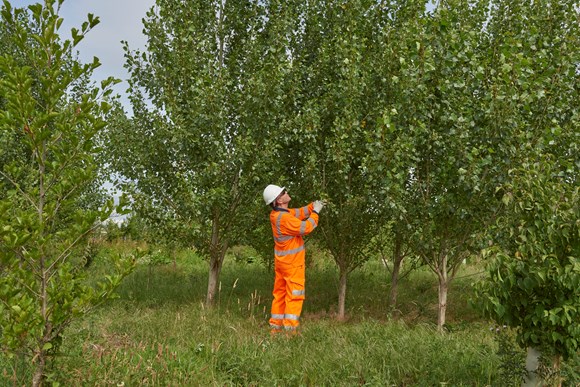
119	20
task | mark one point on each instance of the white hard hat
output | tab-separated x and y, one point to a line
271	192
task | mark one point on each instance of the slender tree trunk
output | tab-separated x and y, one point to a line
557	364
532	361
342	293
443	289
40	358
215	267
40	363
217	255
397	261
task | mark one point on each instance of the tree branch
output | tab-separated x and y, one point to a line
24	194
66	252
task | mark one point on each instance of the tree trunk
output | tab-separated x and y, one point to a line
443	288
39	364
217	255
397	260
342	293
40	359
532	362
557	364
215	268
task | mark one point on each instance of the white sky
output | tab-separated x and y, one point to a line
119	20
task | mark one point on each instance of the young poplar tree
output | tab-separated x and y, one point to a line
200	152
535	243
432	138
50	110
387	145
323	143
448	158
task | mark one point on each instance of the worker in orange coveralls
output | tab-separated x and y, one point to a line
289	225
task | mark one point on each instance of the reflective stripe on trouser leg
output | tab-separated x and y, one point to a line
276	322
291	322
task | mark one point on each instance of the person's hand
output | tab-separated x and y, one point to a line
318	205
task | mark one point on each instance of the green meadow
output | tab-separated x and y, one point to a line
158	331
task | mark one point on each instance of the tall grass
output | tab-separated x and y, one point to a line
159	333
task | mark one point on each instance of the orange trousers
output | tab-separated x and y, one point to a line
289	296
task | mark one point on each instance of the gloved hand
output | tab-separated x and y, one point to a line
318	205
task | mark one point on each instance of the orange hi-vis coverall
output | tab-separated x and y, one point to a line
289	226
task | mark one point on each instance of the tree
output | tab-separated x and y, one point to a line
472	100
214	75
534	271
432	140
324	140
389	155
537	80
53	115
393	249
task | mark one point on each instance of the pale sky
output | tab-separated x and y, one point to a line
119	20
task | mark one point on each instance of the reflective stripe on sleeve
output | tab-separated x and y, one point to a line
297	292
278	223
288	252
303	209
303	225
283	238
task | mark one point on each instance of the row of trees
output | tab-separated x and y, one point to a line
453	127
394	112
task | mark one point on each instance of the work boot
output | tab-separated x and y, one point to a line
292	333
275	331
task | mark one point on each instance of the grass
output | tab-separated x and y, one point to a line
159	333
184	345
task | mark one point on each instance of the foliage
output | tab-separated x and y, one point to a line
11	142
45	219
394	111
213	75
512	368
429	156
242	254
474	89
335	97
535	267
536	111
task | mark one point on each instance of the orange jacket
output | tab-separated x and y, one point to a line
288	227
